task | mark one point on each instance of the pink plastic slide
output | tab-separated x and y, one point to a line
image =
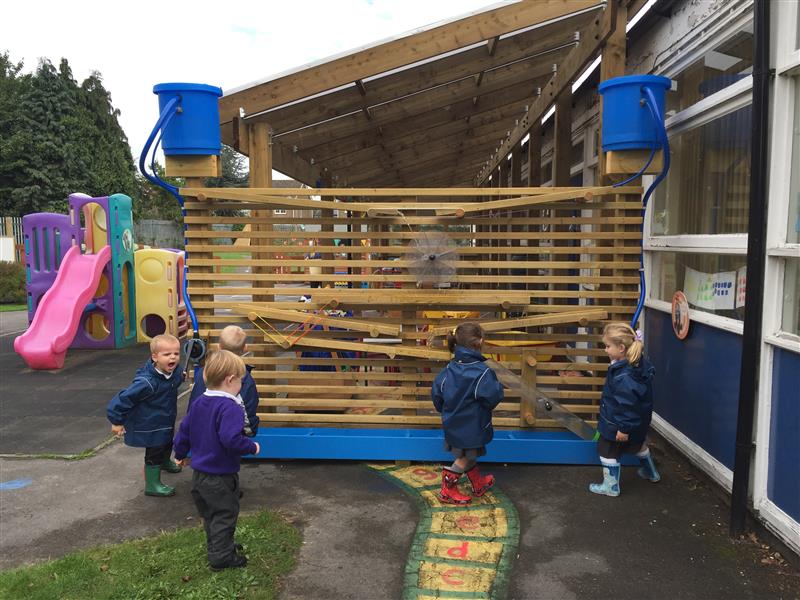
44	345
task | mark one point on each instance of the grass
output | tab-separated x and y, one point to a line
12	307
171	565
230	255
88	453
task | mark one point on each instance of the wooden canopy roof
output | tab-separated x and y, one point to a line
424	109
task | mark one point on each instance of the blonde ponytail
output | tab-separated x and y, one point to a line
624	335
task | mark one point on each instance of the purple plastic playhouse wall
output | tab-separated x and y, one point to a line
47	237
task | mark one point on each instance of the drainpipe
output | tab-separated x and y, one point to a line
756	253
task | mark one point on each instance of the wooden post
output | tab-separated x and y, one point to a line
527	411
205	316
535	155
612	65
260	158
562	149
260	177
562	139
534	180
326	182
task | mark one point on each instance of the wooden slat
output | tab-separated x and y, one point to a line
295	316
531	321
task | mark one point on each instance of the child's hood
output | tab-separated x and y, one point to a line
463	354
644	371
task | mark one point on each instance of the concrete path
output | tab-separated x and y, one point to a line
360	528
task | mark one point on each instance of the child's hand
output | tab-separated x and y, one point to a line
182	462
258	448
118	430
622	437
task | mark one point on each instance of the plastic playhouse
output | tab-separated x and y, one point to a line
89	287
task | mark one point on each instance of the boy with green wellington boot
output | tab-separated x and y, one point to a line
145	412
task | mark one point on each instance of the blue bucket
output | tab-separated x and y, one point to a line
195	129
627	124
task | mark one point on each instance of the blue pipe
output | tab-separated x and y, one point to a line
658	119
170	110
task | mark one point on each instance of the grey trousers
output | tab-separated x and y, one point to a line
217	500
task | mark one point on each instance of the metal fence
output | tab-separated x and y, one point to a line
12	227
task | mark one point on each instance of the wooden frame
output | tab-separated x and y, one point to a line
388	345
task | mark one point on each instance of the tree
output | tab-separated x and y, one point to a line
58	138
233	171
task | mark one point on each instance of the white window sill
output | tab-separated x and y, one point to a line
699	316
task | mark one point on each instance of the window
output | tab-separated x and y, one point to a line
696	236
790	322
713	283
793	229
708	185
716	69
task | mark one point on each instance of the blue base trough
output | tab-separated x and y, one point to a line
422	445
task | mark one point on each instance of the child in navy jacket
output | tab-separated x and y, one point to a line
465	392
626	407
145	412
212	432
234	339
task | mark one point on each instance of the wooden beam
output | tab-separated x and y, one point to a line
391	124
296	316
291	163
529	46
539	320
591	40
396	53
193	166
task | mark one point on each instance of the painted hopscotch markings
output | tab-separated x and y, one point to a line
457	551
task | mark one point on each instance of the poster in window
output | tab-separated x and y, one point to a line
714	291
741	286
680	315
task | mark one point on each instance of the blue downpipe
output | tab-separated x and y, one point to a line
658	119
170	110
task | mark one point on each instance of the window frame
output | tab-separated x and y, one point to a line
726	101
785	89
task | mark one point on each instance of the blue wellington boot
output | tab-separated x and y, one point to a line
610	485
648	469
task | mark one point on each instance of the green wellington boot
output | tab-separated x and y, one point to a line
153	485
170	466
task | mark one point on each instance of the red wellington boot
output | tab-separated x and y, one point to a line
450	493
480	483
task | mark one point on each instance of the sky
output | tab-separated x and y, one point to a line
135	45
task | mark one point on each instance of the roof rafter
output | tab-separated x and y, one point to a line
393	54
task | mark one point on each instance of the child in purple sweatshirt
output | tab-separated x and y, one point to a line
212	431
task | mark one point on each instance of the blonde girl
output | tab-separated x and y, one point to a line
626	407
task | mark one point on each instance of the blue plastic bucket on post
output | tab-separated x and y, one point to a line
195	128
627	123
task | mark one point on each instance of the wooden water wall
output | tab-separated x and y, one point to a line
543	268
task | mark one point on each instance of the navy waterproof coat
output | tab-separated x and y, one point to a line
249	394
626	404
465	392
147	407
